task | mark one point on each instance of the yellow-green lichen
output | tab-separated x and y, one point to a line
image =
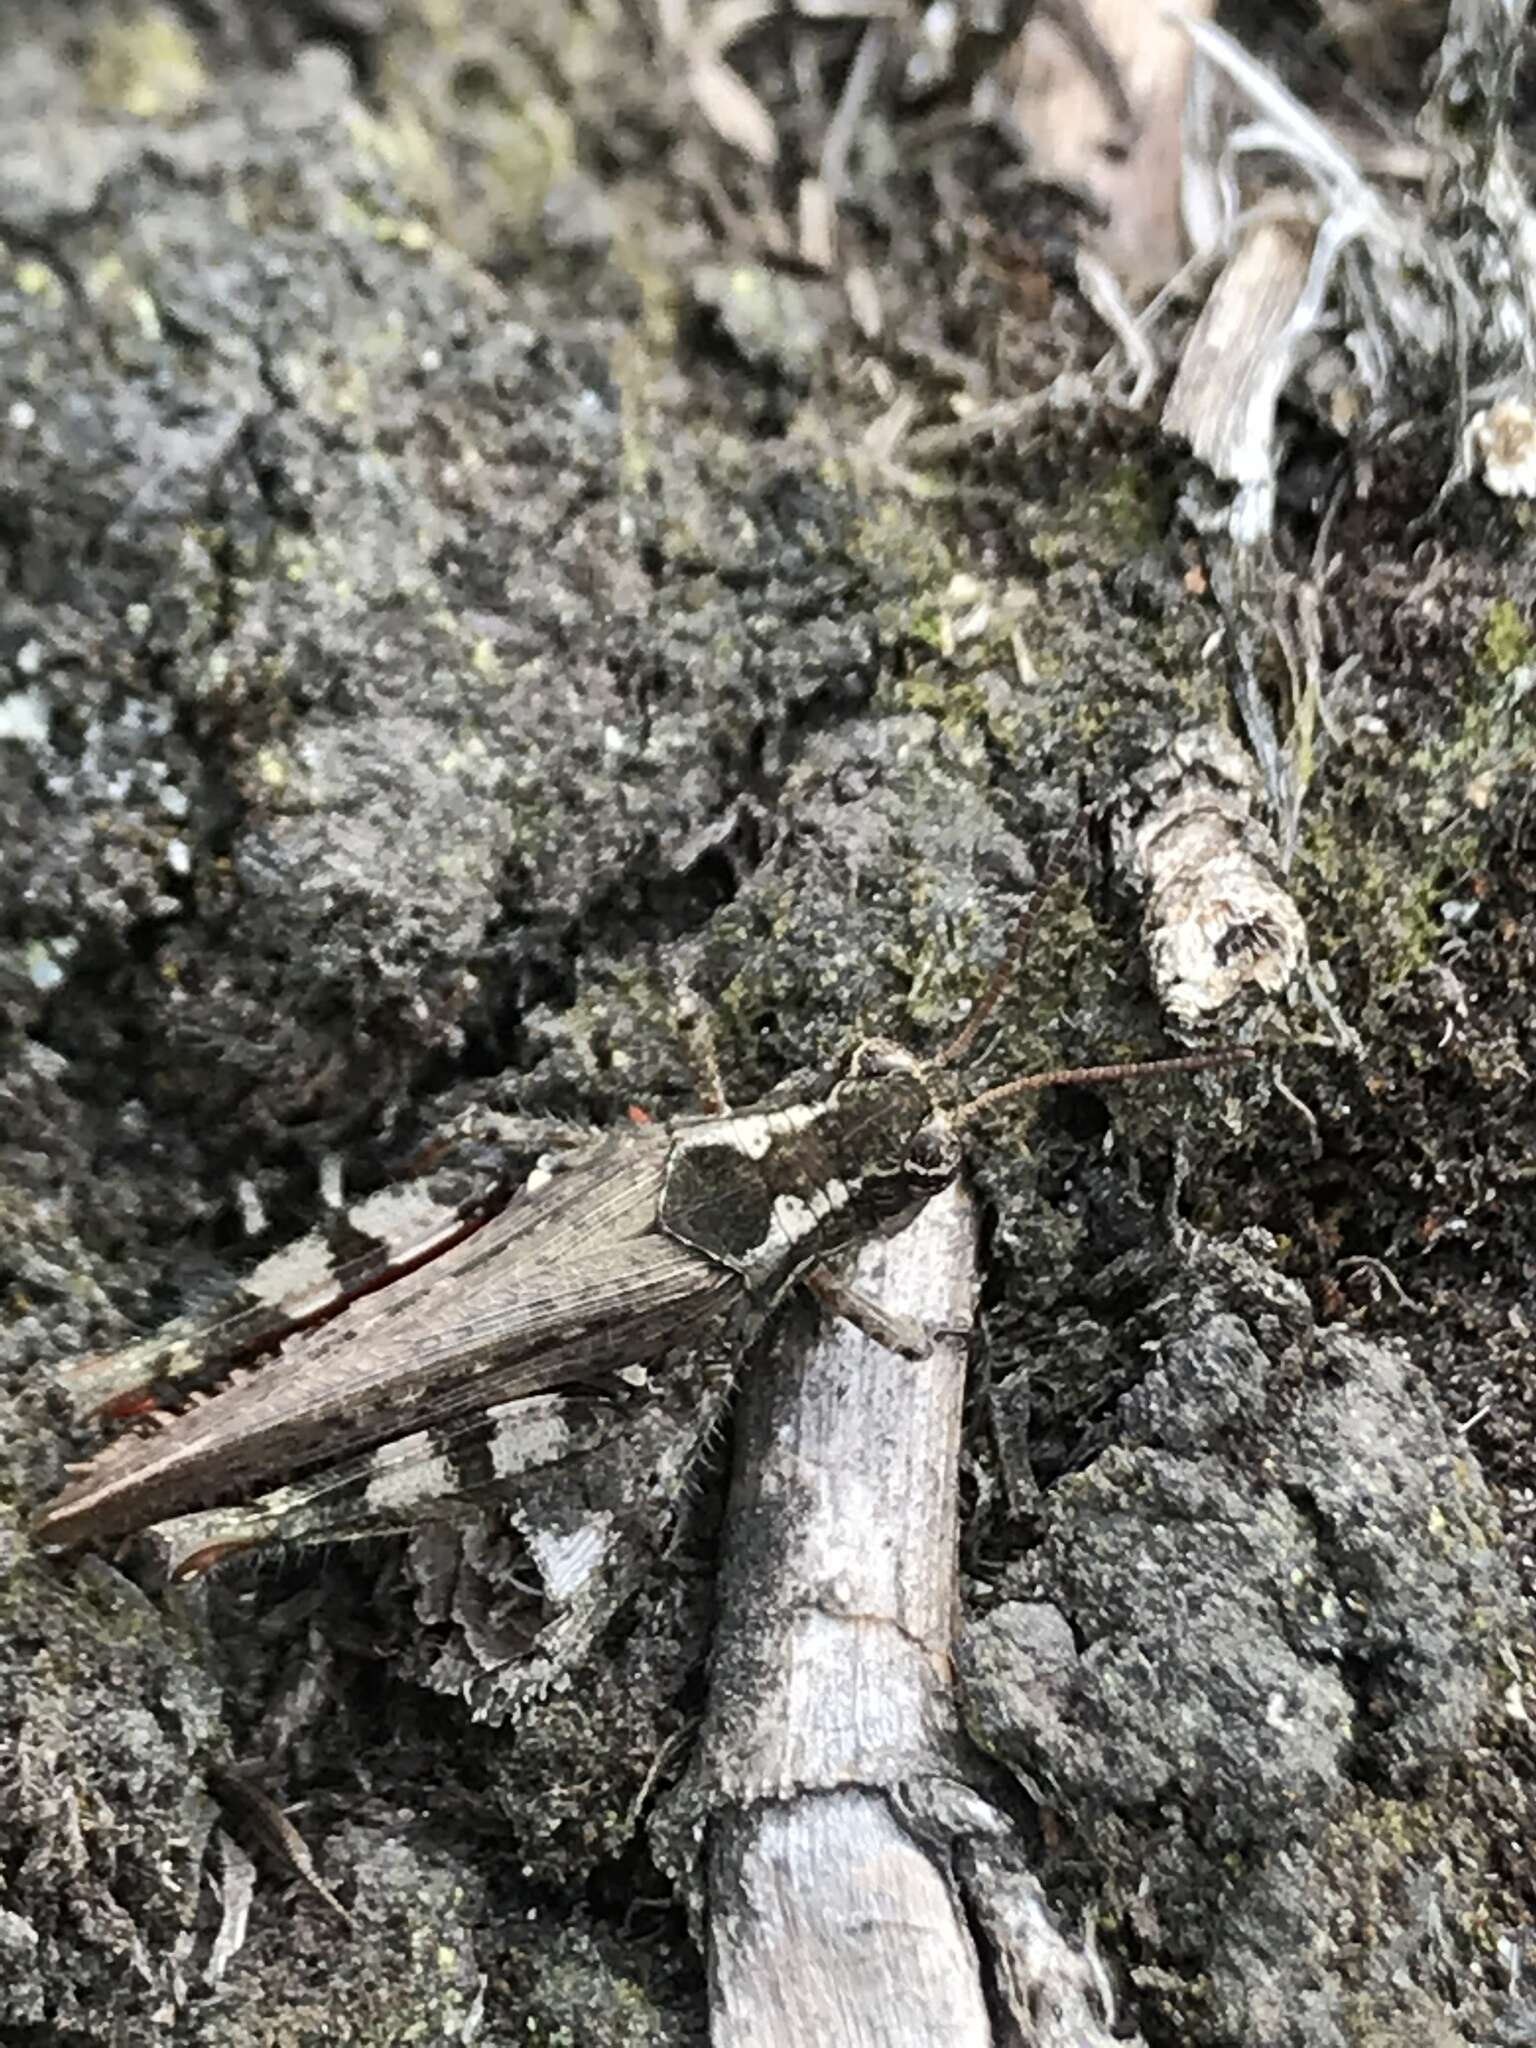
901	542
1508	642
1372	885
37	280
960	704
1109	521
147	66
535	145
405	147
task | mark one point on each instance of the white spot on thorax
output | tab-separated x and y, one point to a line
753	1135
793	1219
826	1201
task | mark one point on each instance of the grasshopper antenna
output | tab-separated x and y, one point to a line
1006	972
1133	1070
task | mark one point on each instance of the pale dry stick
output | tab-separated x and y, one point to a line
1480	203
861	1887
851	105
237	1889
819	196
1104	293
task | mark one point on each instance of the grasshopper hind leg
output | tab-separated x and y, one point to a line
531	1524
696	1031
435	1474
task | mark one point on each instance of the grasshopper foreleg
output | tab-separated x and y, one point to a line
901	1334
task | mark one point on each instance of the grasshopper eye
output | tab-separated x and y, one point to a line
934	1155
877	1057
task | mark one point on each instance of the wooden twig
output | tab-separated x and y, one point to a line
861	1887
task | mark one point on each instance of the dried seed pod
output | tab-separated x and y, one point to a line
1218	917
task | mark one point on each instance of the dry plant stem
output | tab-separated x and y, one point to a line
849	1862
1120	147
1219	922
1236	363
1368	266
1007	416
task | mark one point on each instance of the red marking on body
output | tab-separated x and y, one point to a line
211	1554
129	1407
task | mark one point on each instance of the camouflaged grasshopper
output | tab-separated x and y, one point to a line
402	1389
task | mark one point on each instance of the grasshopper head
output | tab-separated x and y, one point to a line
898	1143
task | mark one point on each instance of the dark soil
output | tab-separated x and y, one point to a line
445	589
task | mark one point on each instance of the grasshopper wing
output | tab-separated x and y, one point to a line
569	1282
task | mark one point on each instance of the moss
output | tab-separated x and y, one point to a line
1382	887
295	557
960	705
1508	642
900	540
1133	506
1381	884
1110	520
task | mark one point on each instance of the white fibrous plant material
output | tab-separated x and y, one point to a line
1239	357
1357	284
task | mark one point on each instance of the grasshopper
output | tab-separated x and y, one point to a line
384	1408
